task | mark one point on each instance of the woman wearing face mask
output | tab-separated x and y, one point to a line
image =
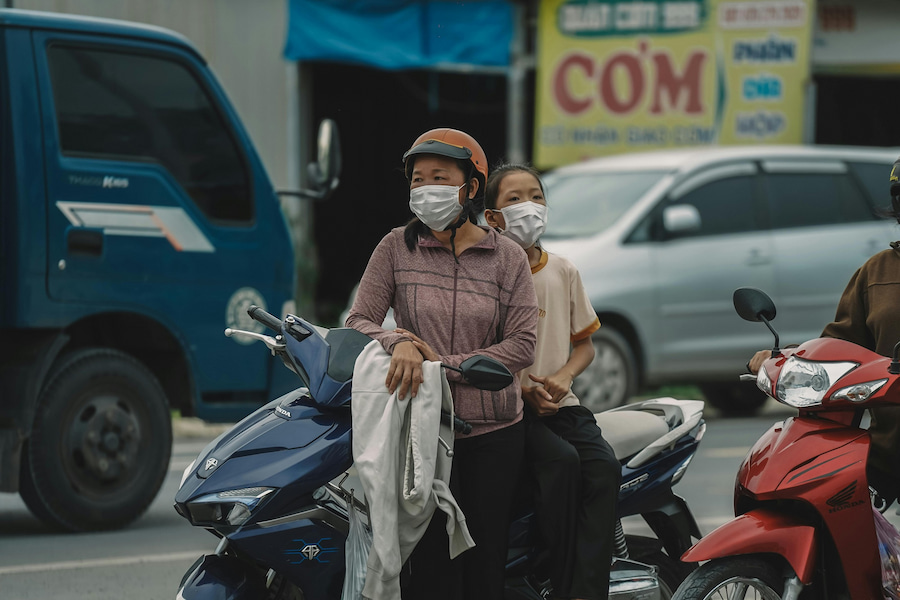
575	471
457	289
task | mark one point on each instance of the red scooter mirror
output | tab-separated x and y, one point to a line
754	305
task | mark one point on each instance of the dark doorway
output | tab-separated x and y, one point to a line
379	114
857	111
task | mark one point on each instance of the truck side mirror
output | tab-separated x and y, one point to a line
329	156
324	173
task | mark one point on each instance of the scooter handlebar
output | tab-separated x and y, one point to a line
269	320
458	424
748	377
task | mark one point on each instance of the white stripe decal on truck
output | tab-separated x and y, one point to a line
133	220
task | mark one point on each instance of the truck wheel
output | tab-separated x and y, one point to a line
734	399
611	379
100	444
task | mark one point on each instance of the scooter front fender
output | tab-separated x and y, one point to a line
215	577
761	531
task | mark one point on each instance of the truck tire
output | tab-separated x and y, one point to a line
611	378
100	443
740	399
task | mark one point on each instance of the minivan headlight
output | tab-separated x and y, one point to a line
230	507
804	382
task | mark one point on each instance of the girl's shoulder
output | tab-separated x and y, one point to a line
560	263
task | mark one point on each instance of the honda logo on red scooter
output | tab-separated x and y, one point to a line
841	500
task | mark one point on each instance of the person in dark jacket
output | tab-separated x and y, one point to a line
867	315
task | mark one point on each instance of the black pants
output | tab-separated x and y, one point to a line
577	481
485	471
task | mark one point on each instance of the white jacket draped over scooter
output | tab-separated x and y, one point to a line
403	469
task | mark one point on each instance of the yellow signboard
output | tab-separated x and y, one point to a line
628	75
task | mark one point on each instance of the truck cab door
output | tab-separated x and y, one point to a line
157	203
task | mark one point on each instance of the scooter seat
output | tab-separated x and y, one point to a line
630	431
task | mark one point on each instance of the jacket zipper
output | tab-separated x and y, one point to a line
453	318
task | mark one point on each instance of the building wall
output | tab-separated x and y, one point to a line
857	33
243	43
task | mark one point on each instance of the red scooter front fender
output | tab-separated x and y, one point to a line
761	531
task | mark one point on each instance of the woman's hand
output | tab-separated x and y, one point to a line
539	401
420	344
405	371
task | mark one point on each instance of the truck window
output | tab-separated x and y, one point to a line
116	105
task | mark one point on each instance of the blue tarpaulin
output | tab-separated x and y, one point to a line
400	34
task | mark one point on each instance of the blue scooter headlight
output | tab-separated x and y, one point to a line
229	507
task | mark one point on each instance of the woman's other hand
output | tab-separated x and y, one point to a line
405	371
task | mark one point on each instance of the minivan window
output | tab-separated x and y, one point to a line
583	204
140	107
874	178
809	199
725	206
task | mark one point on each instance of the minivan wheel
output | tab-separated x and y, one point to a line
611	378
734	399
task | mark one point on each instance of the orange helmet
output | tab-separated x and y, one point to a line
452	143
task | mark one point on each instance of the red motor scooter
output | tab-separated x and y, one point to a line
804	525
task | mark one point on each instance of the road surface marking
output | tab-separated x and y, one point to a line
733	452
96	563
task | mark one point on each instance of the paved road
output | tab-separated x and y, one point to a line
146	561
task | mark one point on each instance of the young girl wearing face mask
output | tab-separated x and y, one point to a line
457	289
575	472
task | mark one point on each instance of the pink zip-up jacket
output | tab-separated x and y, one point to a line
484	304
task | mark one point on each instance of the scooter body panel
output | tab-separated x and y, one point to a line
216	577
304	547
761	531
823	465
792	444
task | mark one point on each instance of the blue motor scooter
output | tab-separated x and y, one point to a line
273	487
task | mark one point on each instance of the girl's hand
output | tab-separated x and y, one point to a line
558	384
538	400
420	345
405	371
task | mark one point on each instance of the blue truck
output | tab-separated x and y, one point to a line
136	223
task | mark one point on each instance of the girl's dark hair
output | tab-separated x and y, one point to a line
492	188
472	208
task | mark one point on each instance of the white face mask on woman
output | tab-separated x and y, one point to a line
436	205
525	222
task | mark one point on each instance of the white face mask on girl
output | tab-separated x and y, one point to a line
525	222
436	205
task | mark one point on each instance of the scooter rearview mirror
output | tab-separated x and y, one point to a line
486	373
753	304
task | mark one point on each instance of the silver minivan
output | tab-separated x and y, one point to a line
662	240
